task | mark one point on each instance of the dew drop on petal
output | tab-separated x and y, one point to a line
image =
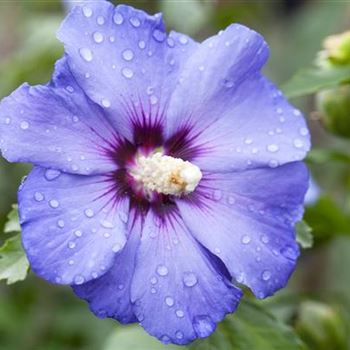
142	44
162	270
169	301
298	143
179	313
38	196
79	279
71	245
266	275
60	223
154	280
128	55
24	125
127	73
189	279
203	325
264	239
245	239
52	174
118	18
183	40
159	35
106	103
87	11
179	335
78	233
273	148
86	54
303	131
89	213
100	20
54	203
98	37
135	22
116	248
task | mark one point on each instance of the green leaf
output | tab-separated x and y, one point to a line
13	262
321	156
304	235
314	79
135	338
251	328
327	219
12	224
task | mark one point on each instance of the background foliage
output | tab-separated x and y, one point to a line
313	312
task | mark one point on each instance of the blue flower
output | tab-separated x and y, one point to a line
166	171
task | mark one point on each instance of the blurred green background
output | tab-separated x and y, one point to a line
37	316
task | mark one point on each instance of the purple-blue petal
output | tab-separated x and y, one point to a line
236	117
247	219
124	60
72	225
178	290
56	126
109	295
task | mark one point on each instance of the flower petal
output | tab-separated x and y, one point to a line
123	59
235	118
179	290
72	226
247	219
109	295
55	126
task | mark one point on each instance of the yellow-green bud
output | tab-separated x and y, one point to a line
337	48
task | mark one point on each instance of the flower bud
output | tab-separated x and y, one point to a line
321	326
337	48
334	106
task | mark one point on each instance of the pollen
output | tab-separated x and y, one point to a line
165	174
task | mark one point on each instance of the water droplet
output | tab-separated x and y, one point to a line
86	54
240	277
189	279
273	163
118	18
39	197
154	280
135	22
231	200
106	103
229	83
298	143
217	195
266	275
128	73
179	313
289	252
100	20
142	44
54	203
169	301
273	148
183	40
121	286
170	42
71	245
71	262
89	213
116	248
106	224
52	174
165	339
153	100
128	55
87	11
159	35
245	239
248	141
201	68
303	131
264	239
123	217
179	335
70	88
98	37
153	290
297	113
24	125
79	279
60	223
78	233
106	235
162	270
7	121
217	250
203	325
